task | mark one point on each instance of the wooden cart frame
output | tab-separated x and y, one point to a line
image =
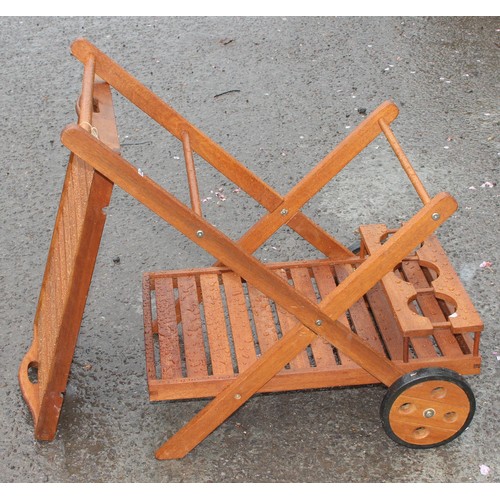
414	384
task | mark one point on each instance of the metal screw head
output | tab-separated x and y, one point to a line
436	216
429	413
284	211
237	396
200	233
319	322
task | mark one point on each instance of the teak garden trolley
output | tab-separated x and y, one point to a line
393	312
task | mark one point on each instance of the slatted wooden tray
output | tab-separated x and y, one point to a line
205	326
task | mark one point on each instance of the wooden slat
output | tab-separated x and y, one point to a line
322	350
168	335
387	324
326	284
70	211
148	329
239	321
275	266
192	333
60	258
287	322
220	350
65	253
360	316
263	319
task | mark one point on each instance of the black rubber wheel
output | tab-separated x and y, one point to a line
427	408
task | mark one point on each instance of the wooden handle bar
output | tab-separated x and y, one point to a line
191	174
405	163
87	95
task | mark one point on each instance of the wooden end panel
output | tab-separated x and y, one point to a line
68	272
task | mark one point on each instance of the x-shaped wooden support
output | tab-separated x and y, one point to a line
315	320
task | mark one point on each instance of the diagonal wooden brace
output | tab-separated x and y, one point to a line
317	178
316	320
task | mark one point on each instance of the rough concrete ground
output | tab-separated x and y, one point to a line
301	85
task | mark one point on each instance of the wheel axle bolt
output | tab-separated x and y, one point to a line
429	413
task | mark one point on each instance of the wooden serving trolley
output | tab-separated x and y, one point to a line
392	312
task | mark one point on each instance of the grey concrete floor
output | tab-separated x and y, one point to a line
301	85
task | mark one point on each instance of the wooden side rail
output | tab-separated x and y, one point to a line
405	163
44	370
194	192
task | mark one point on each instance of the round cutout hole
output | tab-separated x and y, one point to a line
33	372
